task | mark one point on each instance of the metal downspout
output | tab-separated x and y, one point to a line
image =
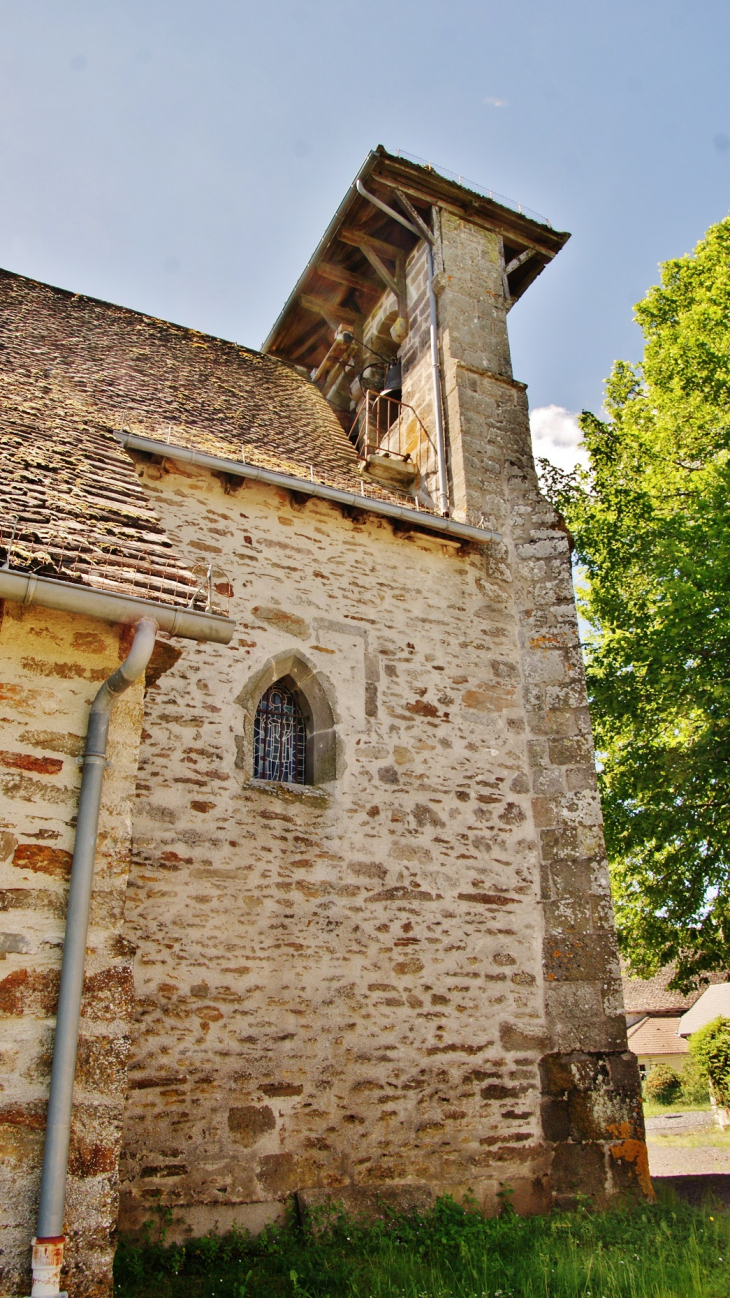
49	1241
443	494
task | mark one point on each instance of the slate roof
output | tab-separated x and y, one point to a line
652	996
713	1002
657	1036
72	371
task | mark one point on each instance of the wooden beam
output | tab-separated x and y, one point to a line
373	249
341	276
334	315
357	239
410	211
519	260
380	269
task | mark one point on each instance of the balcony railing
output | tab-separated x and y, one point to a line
390	429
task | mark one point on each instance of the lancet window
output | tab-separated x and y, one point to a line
280	737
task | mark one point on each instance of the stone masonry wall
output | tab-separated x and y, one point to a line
592	1108
338	988
51	665
342	989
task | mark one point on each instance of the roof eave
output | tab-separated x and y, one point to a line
436	188
325	241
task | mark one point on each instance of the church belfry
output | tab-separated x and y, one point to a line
401	313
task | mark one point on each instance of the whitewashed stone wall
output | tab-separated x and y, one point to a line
51	665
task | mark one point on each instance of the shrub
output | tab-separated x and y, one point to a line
663	1085
710	1048
694	1085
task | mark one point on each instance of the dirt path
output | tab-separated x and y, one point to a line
689	1160
668	1160
672	1124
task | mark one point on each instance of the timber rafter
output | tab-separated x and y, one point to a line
363	254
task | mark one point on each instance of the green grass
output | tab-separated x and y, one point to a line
665	1250
653	1110
706	1137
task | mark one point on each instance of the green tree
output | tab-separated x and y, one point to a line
650	520
663	1084
710	1047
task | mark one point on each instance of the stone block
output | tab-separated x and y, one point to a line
579	1169
581	958
364	1203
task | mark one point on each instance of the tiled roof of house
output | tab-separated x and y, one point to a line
713	1002
73	371
657	1036
124	370
652	996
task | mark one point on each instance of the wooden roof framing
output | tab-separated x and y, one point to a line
363	251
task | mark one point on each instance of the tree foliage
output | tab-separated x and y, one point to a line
710	1047
650	520
663	1084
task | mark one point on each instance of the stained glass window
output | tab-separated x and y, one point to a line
279	737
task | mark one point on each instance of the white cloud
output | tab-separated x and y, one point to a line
496	103
555	437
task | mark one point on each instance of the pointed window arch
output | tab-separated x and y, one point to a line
292	676
279	737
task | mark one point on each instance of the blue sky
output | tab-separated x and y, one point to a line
183	158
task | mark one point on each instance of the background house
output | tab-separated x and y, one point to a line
655	1040
656	1012
713	1002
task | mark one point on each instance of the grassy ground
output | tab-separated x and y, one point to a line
652	1110
707	1136
666	1250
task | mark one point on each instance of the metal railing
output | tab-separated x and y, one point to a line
477	189
384	426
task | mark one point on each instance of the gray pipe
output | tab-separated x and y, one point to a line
49	592
443	494
58	1124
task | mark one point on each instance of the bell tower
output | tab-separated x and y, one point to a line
401	319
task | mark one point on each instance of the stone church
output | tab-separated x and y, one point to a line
350	932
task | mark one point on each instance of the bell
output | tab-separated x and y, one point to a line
393	384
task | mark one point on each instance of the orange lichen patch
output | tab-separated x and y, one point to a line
635	1152
547	642
29	992
421	709
92	1158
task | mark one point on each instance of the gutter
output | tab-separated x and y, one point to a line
48	592
49	1241
236	468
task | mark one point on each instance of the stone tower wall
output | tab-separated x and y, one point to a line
592	1108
